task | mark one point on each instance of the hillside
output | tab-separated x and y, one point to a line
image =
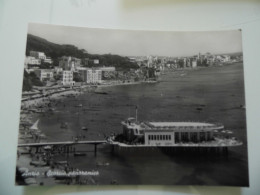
55	51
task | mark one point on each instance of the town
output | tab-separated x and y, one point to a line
71	72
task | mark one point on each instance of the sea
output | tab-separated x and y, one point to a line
212	94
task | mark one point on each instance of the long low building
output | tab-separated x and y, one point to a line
168	133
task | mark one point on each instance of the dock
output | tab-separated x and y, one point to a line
65	144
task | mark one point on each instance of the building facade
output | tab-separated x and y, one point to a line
29	60
38	55
69	63
94	76
168	133
44	74
67	78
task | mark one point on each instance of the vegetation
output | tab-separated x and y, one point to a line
29	80
55	51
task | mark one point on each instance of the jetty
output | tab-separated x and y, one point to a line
64	144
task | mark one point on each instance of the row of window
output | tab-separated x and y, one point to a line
159	137
193	136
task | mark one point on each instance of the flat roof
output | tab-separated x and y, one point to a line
180	124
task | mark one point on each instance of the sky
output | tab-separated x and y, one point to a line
141	43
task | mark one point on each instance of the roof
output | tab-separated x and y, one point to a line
181	124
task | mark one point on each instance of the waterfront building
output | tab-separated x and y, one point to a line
194	63
44	74
94	76
69	63
168	133
67	78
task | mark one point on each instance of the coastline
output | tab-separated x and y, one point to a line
58	97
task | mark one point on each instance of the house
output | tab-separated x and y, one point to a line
69	63
29	60
38	55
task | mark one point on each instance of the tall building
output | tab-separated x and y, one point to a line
90	75
67	78
94	76
194	63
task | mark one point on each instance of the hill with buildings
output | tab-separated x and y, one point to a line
55	51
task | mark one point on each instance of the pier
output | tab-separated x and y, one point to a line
64	144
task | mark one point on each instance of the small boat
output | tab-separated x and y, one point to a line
79	154
47	147
102	164
34	128
84	128
80	105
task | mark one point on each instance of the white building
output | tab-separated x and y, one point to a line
96	61
29	60
38	55
94	76
168	133
194	63
67	78
48	60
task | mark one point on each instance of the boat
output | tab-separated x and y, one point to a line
47	147
101	92
80	105
84	128
79	154
34	129
102	163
